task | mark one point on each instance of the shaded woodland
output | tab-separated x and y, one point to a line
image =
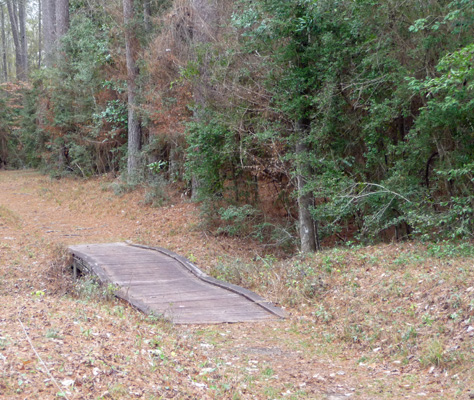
299	123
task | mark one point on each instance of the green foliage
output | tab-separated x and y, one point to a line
89	289
434	354
78	73
379	93
115	114
155	192
322	314
157	166
241	220
64	126
53	333
449	249
211	154
387	148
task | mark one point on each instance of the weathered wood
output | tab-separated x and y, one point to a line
160	282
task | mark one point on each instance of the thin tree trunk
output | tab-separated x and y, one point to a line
40	33
204	31
49	30
62	18
12	12
4	45
23	38
308	228
174	172
3	151
134	128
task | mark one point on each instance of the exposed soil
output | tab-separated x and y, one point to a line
55	342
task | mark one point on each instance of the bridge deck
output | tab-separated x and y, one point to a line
158	281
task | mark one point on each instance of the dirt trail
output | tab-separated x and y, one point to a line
88	348
73	212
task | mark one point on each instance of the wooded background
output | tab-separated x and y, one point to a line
306	121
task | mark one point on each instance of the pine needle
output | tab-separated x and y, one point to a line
40	359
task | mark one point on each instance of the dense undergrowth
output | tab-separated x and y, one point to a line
368	105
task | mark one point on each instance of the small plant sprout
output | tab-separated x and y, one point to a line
157	166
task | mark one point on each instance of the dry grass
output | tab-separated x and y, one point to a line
387	321
58	275
407	303
9	217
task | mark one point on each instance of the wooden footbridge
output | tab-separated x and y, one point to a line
160	282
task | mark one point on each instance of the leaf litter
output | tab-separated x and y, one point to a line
346	341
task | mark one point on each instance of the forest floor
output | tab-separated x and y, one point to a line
390	321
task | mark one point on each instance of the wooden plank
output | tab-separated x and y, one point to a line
190	296
207	307
198	293
168	268
218	300
211	318
129	259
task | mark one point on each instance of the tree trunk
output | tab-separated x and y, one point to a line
4	45
23	38
204	31
3	150
39	33
308	227
174	168
62	18
49	30
134	128
12	12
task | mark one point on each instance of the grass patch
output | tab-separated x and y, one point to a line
446	249
52	333
9	218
